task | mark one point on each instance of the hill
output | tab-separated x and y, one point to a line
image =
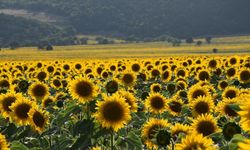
144	19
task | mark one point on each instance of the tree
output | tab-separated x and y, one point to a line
189	40
215	50
49	47
13	45
208	39
199	43
84	41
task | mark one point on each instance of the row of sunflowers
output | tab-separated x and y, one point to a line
182	103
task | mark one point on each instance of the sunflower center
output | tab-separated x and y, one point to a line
41	75
212	63
157	102
245	75
230	94
128	79
223	84
155	73
57	83
112	86
152	131
39	91
165	75
156	88
38	119
181	73
201	107
233	61
7	103
231	72
84	89
4	84
113	111
198	93
22	110
204	75
175	106
135	67
230	112
47	102
206	128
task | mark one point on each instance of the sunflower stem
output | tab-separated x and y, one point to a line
112	140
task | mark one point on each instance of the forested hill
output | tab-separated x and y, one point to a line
145	18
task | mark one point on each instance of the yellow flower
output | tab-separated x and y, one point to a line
3	143
38	90
38	119
156	103
113	112
244	145
196	142
202	105
83	90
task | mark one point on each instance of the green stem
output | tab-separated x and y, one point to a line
112	140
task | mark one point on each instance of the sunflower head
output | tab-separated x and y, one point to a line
38	119
244	75
197	91
202	105
6	100
230	92
223	107
83	90
20	109
112	86
230	129
128	79
156	87
4	145
156	103
175	106
38	90
130	99
205	125
113	112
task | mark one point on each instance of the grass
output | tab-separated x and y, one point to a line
226	45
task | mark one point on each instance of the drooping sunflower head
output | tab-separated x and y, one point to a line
196	142
130	99
20	109
83	90
179	128
156	103
47	101
156	87
230	129
6	100
38	90
223	107
150	129
205	125
112	86
4	145
244	75
197	91
202	105
231	92
113	112
175	106
38	119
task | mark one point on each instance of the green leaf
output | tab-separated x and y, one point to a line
234	107
134	140
18	146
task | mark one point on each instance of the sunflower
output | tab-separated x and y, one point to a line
231	73
156	103
135	67
155	72
128	79
244	145
113	112
38	90
180	129
222	84
197	91
47	101
244	75
42	75
175	106
181	85
202	105
56	83
205	125
181	72
6	100
149	131
245	115
213	64
196	141
230	92
112	86
5	83
166	76
230	129
156	87
20	109
130	99
83	90
223	107
203	75
4	145
38	119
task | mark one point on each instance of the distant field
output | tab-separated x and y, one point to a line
226	45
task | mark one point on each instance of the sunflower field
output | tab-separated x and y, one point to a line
169	103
